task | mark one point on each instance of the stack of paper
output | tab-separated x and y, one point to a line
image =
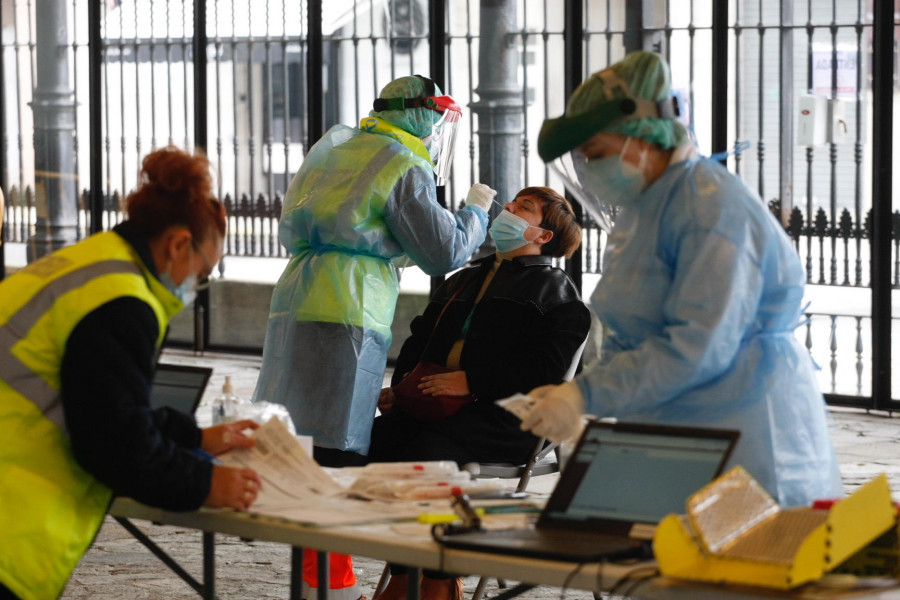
296	488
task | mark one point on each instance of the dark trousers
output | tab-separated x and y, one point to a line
331	457
479	432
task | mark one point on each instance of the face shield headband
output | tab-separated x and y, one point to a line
565	133
442	138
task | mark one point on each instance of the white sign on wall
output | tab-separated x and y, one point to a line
846	67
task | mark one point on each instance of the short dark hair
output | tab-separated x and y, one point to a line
558	218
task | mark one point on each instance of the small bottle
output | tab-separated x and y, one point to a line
225	406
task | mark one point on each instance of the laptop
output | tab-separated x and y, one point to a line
179	386
621	480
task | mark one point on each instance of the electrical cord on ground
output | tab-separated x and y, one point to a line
637	582
569	577
634	577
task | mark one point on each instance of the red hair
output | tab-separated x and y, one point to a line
175	188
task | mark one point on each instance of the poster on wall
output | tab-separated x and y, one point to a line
844	63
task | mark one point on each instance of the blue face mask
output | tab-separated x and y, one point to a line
186	292
508	231
614	180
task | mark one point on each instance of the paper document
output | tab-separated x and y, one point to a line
518	404
295	487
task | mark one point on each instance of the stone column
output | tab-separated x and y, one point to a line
56	195
499	107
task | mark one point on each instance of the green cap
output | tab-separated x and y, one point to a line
633	98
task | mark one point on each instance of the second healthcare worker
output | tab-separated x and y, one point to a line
700	294
363	202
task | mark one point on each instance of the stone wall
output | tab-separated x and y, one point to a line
239	309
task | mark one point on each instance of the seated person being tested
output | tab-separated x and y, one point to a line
82	328
513	320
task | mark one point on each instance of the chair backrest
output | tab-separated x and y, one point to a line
570	374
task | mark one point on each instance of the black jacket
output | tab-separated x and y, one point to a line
106	373
522	334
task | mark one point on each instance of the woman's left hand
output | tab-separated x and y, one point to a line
222	438
453	383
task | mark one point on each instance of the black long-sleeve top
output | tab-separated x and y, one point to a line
106	375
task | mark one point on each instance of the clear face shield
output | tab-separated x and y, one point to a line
559	139
570	168
443	135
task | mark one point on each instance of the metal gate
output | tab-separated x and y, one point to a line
800	91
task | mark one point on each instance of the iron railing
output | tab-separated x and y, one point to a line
275	74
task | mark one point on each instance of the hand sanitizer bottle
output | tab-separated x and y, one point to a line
225	406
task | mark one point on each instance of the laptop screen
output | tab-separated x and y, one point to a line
178	386
636	473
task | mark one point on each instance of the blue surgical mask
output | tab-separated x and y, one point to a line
186	292
614	180
508	231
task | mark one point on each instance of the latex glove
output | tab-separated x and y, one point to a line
557	410
481	196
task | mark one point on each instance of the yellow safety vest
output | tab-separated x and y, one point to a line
50	508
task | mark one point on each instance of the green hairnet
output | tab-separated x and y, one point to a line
639	75
417	121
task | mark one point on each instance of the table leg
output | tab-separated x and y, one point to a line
412	591
296	573
165	558
209	565
323	578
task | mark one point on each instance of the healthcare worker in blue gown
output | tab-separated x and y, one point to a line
363	202
700	294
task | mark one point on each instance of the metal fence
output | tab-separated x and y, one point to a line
275	74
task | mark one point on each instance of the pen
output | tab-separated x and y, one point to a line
206	455
437	518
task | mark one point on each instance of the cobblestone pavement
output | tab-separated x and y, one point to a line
118	567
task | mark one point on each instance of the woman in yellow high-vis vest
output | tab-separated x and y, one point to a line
80	330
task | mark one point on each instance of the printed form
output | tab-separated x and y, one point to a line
296	488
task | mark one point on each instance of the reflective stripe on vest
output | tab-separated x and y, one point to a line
15	373
373	169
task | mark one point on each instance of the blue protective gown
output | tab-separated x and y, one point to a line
699	299
363	200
